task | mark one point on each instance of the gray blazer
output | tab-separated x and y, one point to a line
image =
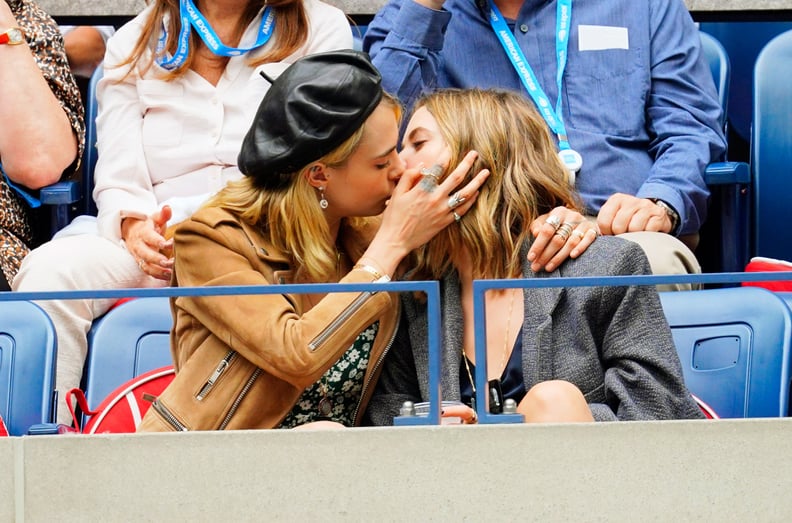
612	342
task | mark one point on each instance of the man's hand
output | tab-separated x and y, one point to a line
625	213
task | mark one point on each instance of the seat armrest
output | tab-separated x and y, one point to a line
60	193
727	173
44	429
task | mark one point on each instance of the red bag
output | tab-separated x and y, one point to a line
123	409
759	264
3	429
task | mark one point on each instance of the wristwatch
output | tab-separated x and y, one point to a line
12	36
670	211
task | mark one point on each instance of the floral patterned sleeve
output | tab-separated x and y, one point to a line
46	43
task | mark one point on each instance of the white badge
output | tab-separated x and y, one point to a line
572	161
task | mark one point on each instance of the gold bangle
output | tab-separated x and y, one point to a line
378	276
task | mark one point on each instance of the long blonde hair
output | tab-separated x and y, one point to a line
291	32
527	179
291	217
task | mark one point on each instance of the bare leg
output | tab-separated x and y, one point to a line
554	401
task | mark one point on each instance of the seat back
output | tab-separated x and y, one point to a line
734	345
771	149
720	67
91	154
131	339
27	366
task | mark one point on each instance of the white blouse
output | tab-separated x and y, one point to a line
177	142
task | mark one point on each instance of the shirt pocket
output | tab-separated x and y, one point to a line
162	103
606	91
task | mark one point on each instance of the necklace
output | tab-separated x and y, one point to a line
494	385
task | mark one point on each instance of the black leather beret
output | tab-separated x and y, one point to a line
311	108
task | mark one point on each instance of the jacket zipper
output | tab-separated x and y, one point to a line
167	416
239	398
376	366
219	370
328	331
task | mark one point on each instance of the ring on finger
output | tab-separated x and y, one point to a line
564	230
580	234
141	263
455	200
554	221
433	172
456	216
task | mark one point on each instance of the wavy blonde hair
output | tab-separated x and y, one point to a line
291	217
291	32
527	179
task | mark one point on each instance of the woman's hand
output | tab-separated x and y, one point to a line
145	240
560	234
419	208
463	412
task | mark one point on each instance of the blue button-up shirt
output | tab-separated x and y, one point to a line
645	118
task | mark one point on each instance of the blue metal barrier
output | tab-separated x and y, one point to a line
432	291
430	288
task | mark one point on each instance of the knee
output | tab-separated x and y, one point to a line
555	401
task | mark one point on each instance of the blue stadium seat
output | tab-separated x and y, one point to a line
27	366
724	237
734	345
743	41
71	198
771	149
129	340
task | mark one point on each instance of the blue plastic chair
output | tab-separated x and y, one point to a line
129	340
27	366
771	149
73	198
725	243
734	345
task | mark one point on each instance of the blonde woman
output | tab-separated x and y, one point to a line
562	354
174	105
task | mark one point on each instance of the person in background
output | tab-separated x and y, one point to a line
622	85
85	47
42	132
320	159
562	354
174	105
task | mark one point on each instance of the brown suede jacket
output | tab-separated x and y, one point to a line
243	361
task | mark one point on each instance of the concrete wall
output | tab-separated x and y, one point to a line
738	470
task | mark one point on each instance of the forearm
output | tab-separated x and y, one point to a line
37	141
405	41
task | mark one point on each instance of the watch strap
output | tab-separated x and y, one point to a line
672	214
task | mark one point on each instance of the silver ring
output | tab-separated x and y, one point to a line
579	234
140	264
434	172
455	201
564	230
456	216
553	220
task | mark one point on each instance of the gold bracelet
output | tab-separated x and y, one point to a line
378	276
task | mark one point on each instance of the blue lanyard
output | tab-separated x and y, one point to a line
191	16
29	199
554	118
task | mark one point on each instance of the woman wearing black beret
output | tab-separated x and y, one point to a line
320	159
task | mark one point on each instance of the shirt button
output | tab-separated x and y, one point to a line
524	28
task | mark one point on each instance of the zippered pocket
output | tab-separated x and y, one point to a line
339	320
216	374
168	416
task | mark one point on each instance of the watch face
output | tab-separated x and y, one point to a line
15	36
